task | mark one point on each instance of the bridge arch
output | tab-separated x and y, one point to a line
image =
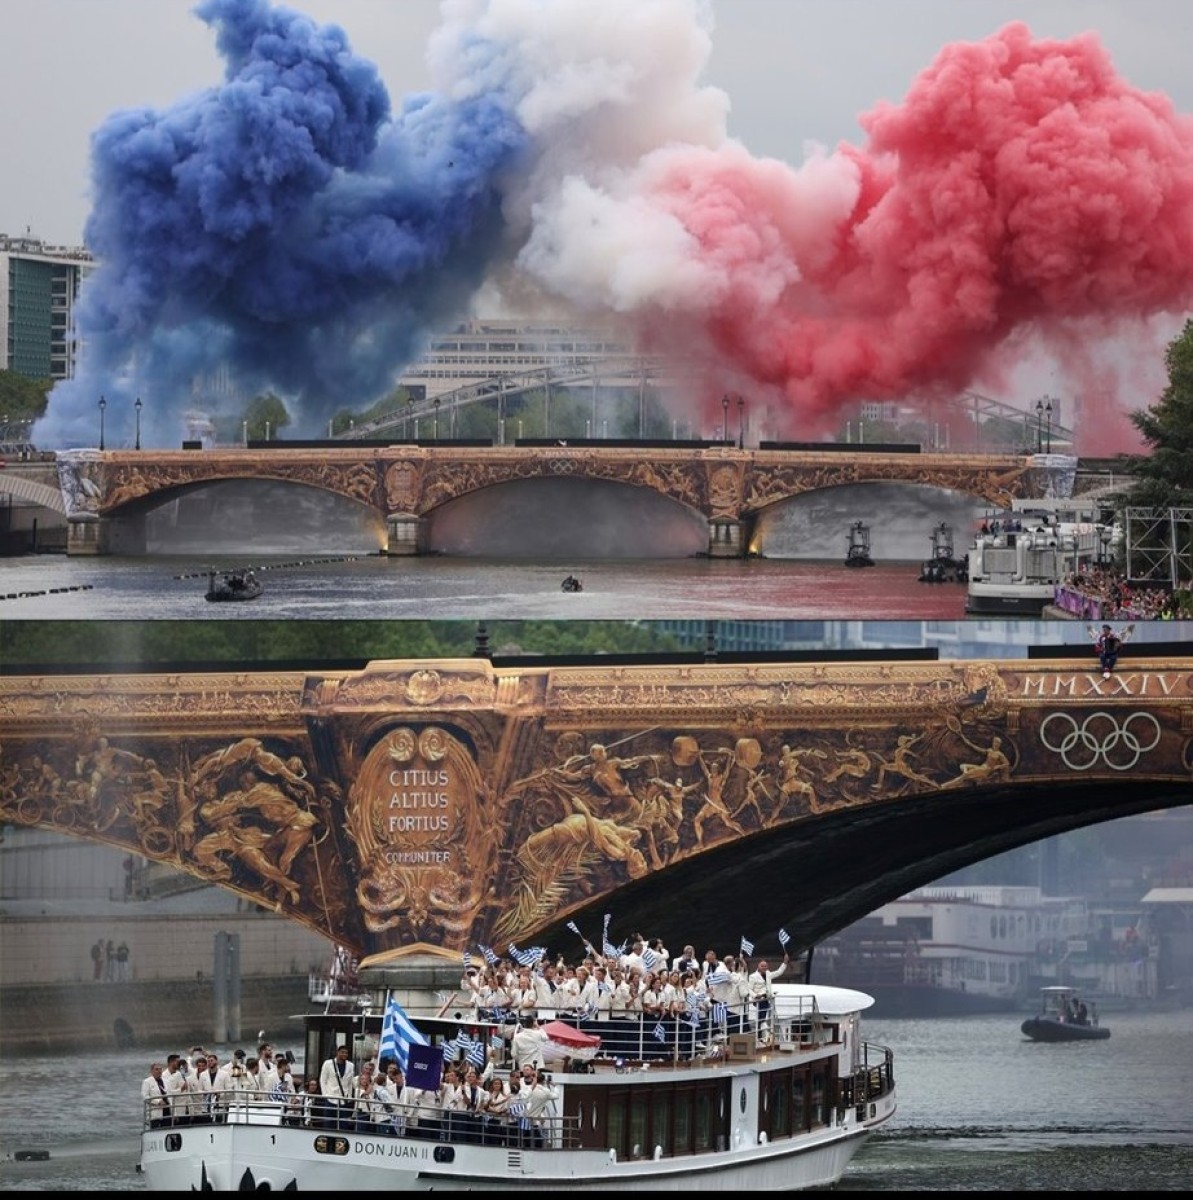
900	516
450	802
23	488
575	516
264	515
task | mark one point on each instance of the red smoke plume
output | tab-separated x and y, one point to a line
1021	189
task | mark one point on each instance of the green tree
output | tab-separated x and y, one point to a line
266	412
21	398
1165	477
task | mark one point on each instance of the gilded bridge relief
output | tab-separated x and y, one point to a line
767	484
241	815
419	817
600	818
444	481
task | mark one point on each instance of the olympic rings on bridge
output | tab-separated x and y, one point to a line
1100	737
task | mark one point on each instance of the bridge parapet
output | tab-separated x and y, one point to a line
729	487
450	803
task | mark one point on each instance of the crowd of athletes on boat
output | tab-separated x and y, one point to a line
502	1090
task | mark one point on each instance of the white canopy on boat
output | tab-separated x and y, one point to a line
795	999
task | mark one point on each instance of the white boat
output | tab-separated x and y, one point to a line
949	951
1018	559
779	1104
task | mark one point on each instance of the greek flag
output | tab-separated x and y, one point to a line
651	958
660	1032
490	956
526	958
517	1109
719	1013
398	1034
277	1093
574	928
784	938
747	948
467	960
717	977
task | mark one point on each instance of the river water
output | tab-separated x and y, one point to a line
319	587
980	1108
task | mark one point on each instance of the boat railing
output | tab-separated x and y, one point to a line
696	1034
873	1078
513	1127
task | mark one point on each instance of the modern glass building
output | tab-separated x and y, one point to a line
39	288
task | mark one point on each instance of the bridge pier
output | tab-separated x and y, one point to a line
86	534
406	535
727	538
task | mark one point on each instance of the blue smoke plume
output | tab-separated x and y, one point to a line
281	232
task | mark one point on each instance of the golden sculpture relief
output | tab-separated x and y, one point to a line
448	801
417	817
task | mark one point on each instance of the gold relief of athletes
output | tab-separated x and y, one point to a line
610	813
246	814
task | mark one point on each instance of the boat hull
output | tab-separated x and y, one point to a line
232	1157
225	594
1024	600
909	1000
1048	1029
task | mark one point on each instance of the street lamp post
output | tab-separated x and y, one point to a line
1039	426
137	406
103	405
741	423
725	422
1048	427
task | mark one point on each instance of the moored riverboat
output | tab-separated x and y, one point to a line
735	1099
1019	560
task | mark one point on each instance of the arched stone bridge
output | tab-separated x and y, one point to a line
729	487
450	804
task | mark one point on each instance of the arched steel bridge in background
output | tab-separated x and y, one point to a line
643	375
446	804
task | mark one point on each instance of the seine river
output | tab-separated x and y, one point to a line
376	588
980	1109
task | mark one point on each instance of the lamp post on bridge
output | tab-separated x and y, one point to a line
137	406
1043	412
741	422
725	422
103	405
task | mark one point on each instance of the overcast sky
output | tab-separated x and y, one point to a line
795	70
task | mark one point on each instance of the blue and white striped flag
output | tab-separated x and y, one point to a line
719	1013
526	958
660	1032
277	1093
575	928
784	938
467	959
719	976
747	947
398	1034
517	1110
490	955
651	958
